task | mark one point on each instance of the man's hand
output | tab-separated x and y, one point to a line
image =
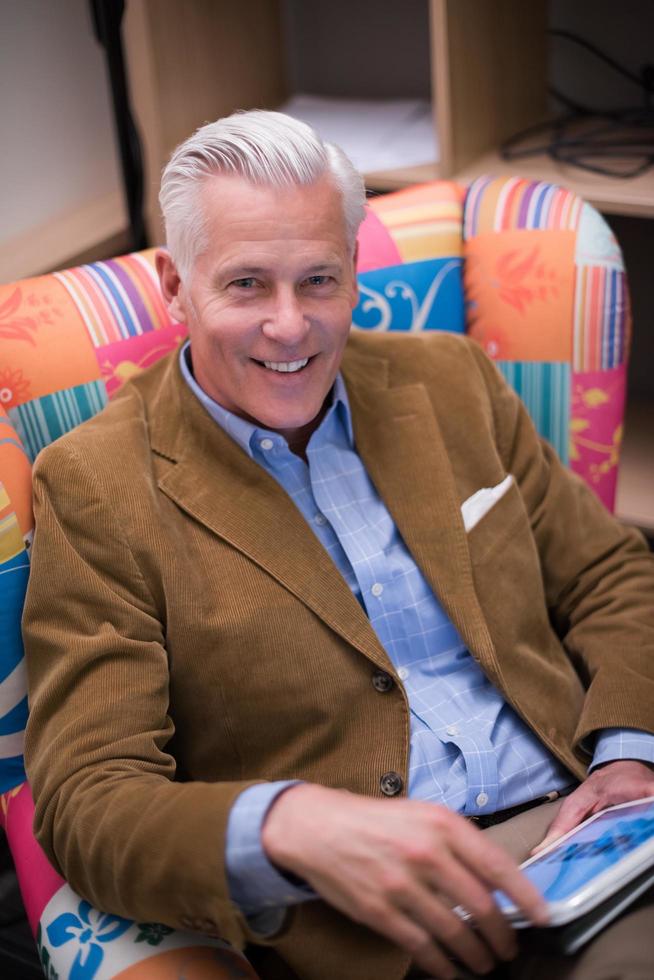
615	782
398	866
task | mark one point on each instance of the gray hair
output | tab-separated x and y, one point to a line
266	148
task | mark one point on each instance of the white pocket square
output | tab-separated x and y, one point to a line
475	507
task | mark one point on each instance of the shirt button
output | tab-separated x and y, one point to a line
391	783
382	682
320	519
266	444
403	673
377	589
482	799
452	730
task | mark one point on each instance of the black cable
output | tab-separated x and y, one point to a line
583	43
583	136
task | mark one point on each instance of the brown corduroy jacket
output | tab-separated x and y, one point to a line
188	635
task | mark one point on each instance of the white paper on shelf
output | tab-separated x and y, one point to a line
376	134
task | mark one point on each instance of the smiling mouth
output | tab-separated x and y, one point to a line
285	367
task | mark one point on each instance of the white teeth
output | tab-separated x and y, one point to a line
286	366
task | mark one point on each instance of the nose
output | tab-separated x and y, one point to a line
286	323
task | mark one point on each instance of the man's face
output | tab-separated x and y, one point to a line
268	305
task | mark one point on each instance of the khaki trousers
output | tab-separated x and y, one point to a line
623	951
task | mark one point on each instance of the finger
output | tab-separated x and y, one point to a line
575	809
487	861
439	921
415	939
463	888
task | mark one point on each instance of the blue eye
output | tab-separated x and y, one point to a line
318	280
246	283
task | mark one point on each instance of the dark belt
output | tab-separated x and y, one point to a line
484	820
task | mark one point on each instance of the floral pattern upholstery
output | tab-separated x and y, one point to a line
527	269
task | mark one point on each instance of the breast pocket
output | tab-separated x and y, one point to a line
501	529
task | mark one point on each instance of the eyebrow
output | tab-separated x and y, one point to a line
323	267
240	271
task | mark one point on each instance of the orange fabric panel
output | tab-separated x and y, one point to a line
45	343
520	289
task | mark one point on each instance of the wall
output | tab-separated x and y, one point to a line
326	56
59	175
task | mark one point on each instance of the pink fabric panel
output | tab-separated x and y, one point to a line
597	410
376	247
37	878
123	359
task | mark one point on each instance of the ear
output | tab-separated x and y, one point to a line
171	285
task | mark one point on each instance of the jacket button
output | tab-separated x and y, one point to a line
391	784
382	682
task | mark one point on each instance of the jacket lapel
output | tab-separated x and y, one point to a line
217	484
400	441
401	445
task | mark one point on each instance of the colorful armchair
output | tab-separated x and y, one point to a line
528	269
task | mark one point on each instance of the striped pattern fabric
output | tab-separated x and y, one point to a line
424	222
500	204
117	299
602	317
41	421
545	389
11	540
548	299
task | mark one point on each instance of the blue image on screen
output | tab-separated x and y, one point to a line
588	853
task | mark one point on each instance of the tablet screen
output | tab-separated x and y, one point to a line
589	851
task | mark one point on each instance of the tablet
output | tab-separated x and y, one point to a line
590	864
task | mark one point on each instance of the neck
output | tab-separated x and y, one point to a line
298	439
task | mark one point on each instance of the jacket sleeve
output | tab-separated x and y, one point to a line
109	813
598	575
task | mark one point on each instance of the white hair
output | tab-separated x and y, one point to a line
267	149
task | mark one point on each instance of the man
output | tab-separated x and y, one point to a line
256	623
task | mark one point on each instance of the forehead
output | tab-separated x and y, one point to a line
237	212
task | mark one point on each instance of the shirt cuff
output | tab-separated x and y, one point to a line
256	887
622	743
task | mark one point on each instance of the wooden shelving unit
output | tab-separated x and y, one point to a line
194	60
489	81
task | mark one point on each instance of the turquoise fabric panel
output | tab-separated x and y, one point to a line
43	420
544	387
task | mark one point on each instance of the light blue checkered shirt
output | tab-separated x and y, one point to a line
469	750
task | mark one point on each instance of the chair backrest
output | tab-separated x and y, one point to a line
527	269
536	276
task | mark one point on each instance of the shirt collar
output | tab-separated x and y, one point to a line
243	432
